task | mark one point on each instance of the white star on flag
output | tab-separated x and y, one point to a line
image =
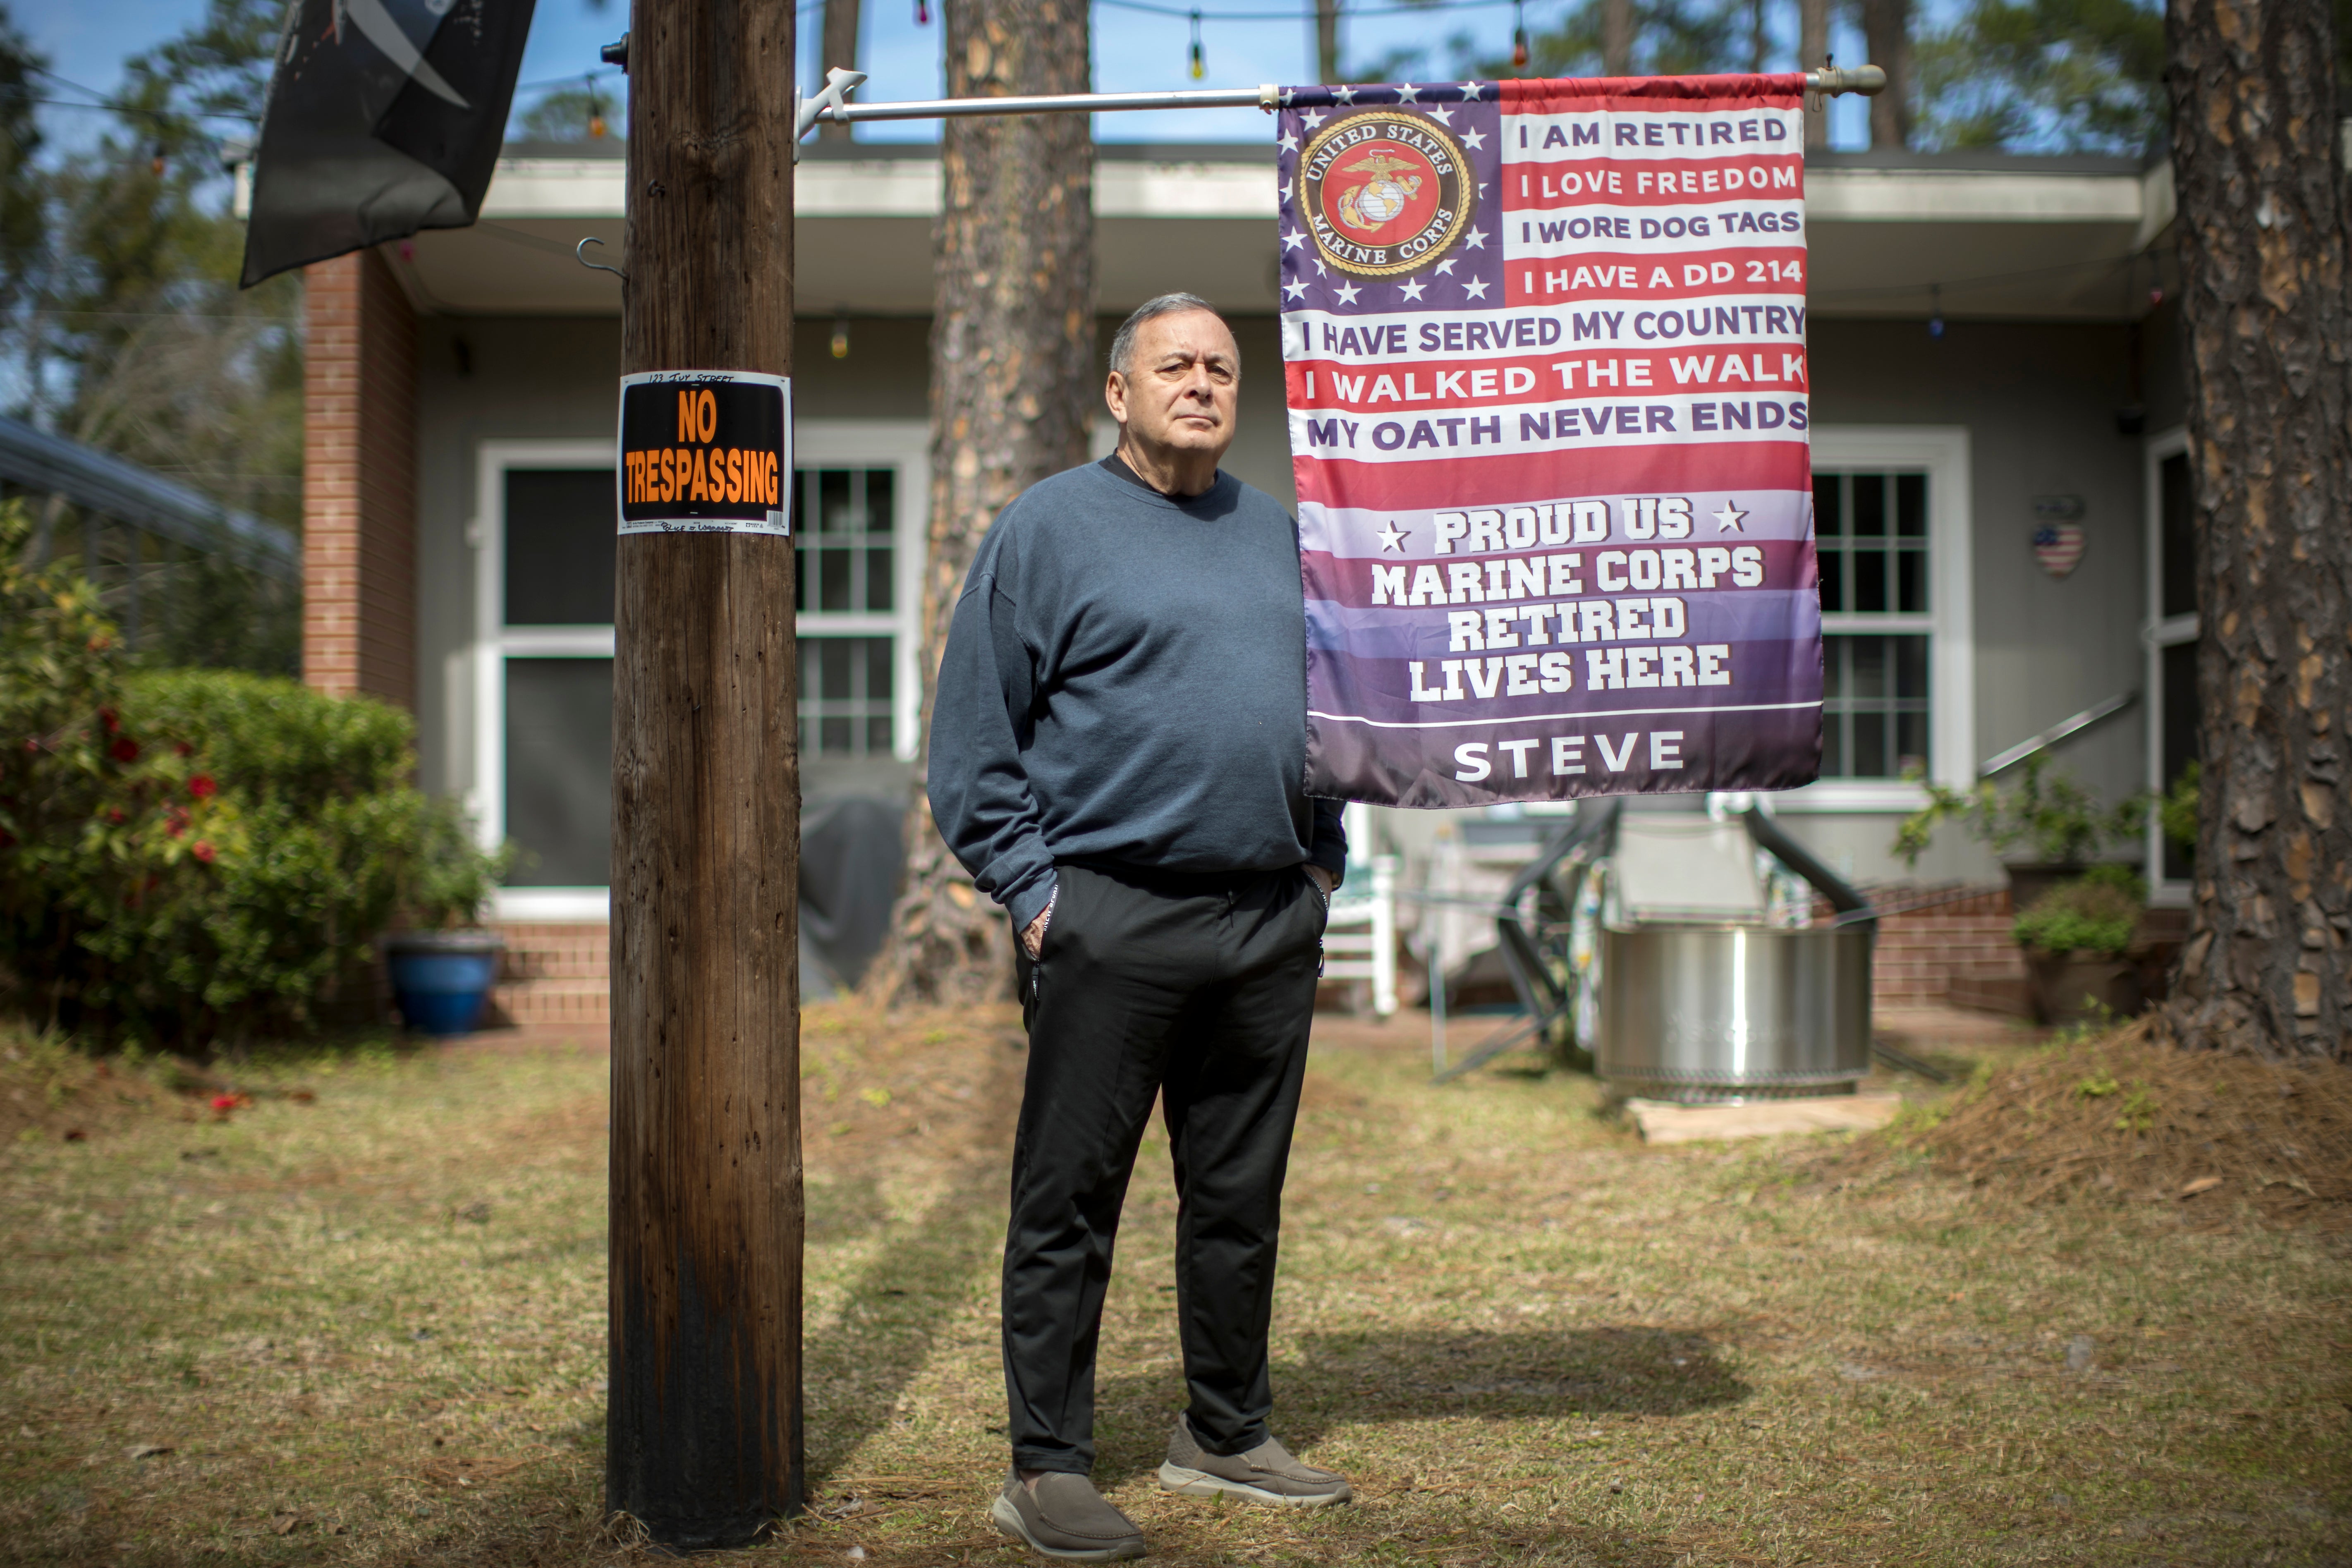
1348	293
1443	116
1475	288
1287	143
1446	266
1294	239
1475	240
1295	291
1315	117
1321	270
1286	97
1285	190
1414	289
1392	537
1408	93
1474	139
1470	90
1344	93
1727	519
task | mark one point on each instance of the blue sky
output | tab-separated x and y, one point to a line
87	41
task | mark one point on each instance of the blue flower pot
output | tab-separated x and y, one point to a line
441	980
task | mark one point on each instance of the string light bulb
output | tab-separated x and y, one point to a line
595	112
1936	310
922	12
1200	66
841	334
1519	53
155	164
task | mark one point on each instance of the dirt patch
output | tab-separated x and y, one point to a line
2123	1118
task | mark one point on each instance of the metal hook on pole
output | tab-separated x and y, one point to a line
839	84
580	252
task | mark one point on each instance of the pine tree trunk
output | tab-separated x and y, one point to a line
1616	37
2262	243
1812	53
837	46
1014	390
1887	32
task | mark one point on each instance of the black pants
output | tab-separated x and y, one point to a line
1199	989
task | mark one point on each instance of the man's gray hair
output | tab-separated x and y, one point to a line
1122	343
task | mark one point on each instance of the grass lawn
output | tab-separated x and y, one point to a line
361	1320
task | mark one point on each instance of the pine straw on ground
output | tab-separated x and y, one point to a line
2125	1117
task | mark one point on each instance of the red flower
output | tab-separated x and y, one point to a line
115	814
203	850
33	744
181	749
223	1103
110	719
125	749
202	786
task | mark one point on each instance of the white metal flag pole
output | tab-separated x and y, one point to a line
831	103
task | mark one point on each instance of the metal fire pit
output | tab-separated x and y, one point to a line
1734	1012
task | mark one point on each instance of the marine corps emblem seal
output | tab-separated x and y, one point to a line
1385	192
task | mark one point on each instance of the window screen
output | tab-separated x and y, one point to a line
1874	707
559	771
842	519
560	538
1871	531
846	692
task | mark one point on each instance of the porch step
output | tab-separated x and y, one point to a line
555	973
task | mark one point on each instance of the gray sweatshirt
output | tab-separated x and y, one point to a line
1126	682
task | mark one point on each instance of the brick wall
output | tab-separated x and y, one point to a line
554	974
1958	953
359	481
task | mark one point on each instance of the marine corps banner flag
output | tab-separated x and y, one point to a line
384	118
1548	412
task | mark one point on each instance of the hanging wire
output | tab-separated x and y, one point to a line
1199	66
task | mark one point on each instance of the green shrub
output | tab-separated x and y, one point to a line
2096	912
192	853
2062	820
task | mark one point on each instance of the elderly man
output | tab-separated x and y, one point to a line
1117	753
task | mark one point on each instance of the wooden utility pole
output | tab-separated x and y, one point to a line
703	1430
1326	42
2266	268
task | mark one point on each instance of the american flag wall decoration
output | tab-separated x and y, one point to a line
1545	352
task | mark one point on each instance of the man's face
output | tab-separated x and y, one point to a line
1178	393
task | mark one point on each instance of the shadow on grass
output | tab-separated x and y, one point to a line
1436	1374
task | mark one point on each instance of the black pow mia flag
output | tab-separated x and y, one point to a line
384	118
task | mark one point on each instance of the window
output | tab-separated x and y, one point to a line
1891	538
542	723
2171	638
854	627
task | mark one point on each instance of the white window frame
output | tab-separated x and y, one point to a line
831	443
906	446
494	643
2158	632
1950	624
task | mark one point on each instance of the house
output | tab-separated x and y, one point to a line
1991	351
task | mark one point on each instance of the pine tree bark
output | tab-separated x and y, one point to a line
2263	258
1014	389
1616	37
837	47
1887	34
1812	53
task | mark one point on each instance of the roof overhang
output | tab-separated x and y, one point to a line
2005	238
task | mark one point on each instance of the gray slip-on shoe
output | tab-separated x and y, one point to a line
1065	1518
1265	1474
